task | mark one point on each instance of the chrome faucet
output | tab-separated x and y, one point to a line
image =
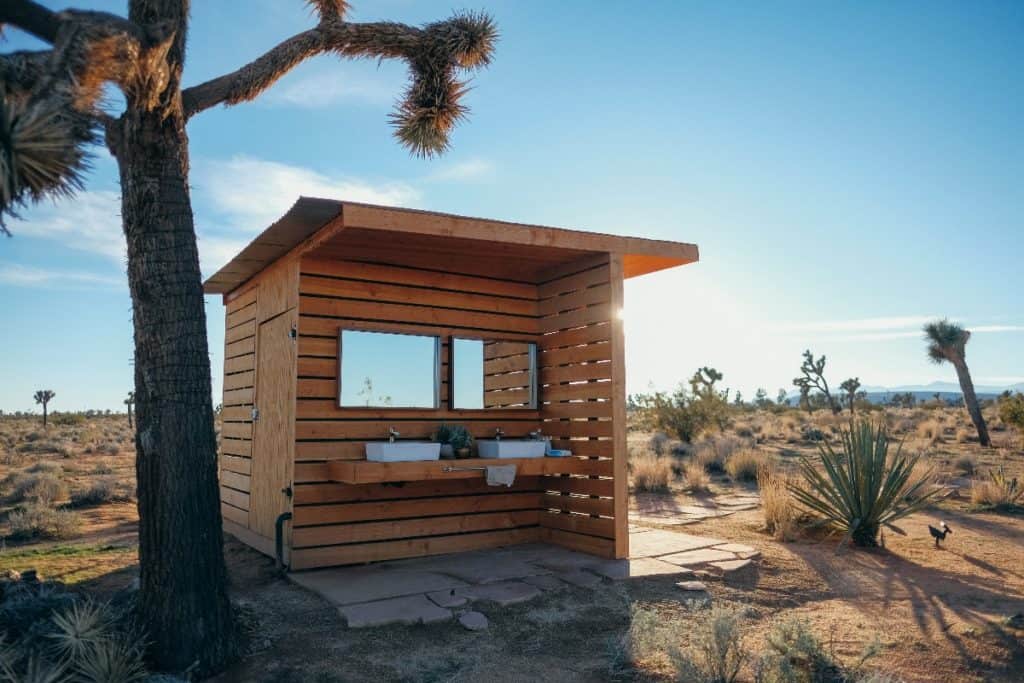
498	433
392	434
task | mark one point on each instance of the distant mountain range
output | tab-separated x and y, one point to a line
926	392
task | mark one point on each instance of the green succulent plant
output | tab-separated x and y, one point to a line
455	435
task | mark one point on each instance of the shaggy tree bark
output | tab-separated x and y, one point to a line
48	118
971	400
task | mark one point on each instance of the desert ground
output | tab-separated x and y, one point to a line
67	510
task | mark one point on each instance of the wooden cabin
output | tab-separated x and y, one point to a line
315	367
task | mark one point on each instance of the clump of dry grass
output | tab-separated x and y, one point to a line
963	435
931	431
966	464
35	484
998	492
40	521
650	472
779	508
744	464
107	490
695	476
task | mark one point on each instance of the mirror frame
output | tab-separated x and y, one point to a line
534	379
437	369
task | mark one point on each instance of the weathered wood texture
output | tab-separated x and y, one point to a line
236	411
582	404
337	523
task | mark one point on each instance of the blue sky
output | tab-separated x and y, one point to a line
848	170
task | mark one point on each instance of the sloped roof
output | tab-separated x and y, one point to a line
311	215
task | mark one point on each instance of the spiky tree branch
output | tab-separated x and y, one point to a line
431	104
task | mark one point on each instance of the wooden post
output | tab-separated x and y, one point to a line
619	452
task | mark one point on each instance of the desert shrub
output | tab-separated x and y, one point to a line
716	654
1011	410
695	476
811	433
39	521
659	443
777	504
966	464
708	457
796	655
102	491
685	414
644	636
102	469
45	466
997	492
931	431
650	472
861	487
67	419
743	464
744	430
44	447
108	448
37	487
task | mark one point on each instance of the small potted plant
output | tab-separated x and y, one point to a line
455	441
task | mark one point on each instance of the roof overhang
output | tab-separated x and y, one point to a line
314	223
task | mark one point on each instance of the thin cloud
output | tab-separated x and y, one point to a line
28	276
89	221
859	324
463	171
325	89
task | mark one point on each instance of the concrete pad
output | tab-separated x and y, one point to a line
350	585
736	548
504	592
692	586
658	542
666	521
699	556
482	567
732	566
550	557
449	598
411	609
580	578
545	582
644	566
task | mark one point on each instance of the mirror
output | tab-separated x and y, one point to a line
388	370
493	374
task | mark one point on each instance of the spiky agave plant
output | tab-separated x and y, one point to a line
860	488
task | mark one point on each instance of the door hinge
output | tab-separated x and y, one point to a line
293	333
287	490
255	414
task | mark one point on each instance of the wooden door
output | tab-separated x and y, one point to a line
273	429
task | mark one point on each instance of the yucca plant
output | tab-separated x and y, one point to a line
861	488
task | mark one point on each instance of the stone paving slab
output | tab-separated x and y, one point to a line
503	592
411	609
699	556
731	566
658	542
664	520
477	567
580	578
449	598
349	585
546	582
644	566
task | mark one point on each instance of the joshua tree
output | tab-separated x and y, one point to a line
51	114
781	398
43	397
948	342
805	396
814	378
702	384
130	401
851	386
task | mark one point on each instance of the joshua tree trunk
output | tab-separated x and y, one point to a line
971	400
130	425
44	416
183	600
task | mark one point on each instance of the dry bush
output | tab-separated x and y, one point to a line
35	487
659	443
997	492
103	491
695	476
716	653
108	448
41	521
931	431
713	453
651	473
744	464
963	435
780	510
966	464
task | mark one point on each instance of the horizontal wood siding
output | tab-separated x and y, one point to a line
578	396
236	409
336	523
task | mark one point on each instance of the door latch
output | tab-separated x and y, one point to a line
255	414
287	490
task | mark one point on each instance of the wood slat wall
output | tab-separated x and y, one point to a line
236	412
580	365
342	524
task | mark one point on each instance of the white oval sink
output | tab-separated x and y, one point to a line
510	448
402	451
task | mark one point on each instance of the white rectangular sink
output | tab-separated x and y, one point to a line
402	451
506	448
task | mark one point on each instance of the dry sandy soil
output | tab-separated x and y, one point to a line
939	614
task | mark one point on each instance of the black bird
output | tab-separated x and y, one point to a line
939	534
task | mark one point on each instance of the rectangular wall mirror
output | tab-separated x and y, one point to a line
388	370
492	374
